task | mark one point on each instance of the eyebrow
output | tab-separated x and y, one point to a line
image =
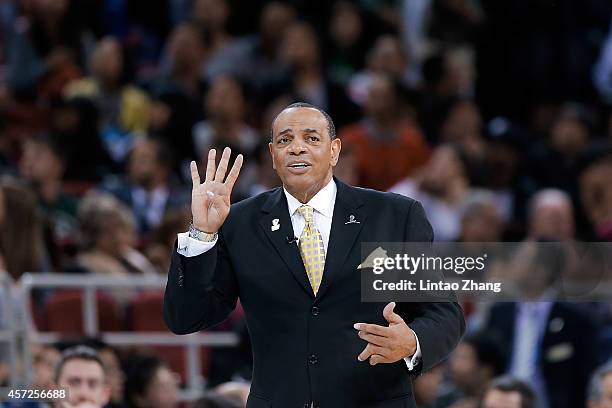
289	130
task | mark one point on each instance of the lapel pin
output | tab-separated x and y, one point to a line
275	225
352	220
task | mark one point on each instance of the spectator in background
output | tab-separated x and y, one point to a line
463	128
81	372
42	165
347	168
602	70
178	92
551	216
116	377
21	237
301	52
160	247
74	129
45	359
150	383
553	161
600	388
387	147
211	17
259	60
500	173
478	359
551	344
348	43
480	218
507	392
108	235
596	192
266	177
112	366
385	58
148	189
455	22
225	108
430	390
123	107
440	89
442	186
43	48
186	53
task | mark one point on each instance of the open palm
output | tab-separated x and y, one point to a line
210	201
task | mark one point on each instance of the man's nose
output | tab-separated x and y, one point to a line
297	147
80	393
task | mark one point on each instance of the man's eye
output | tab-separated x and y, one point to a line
283	140
313	138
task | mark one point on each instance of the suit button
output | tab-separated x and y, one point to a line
314	311
313	359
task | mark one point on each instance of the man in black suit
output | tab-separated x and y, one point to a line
562	356
291	255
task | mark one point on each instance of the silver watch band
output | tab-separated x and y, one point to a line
201	235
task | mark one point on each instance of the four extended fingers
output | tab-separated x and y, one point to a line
377	338
218	173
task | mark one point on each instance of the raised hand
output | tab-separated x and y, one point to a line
210	201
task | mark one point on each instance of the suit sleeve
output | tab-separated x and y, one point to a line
438	325
201	290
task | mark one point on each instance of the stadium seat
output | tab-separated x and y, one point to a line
145	315
63	312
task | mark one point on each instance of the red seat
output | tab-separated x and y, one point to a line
63	312
146	315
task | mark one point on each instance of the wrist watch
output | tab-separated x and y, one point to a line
201	235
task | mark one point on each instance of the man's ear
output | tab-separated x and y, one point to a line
107	395
336	146
271	146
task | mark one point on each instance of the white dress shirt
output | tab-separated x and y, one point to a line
323	204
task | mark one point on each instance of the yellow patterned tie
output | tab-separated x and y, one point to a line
311	248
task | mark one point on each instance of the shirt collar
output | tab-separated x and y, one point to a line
322	202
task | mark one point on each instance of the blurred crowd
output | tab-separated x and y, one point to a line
496	115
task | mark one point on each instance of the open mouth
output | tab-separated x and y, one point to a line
298	167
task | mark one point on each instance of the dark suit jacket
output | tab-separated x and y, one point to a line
567	353
305	347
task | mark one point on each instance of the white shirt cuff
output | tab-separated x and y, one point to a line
411	362
189	247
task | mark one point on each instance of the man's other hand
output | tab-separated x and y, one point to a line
387	344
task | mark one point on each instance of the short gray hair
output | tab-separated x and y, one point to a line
549	196
595	390
331	128
80	352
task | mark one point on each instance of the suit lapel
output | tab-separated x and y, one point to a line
276	208
343	234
